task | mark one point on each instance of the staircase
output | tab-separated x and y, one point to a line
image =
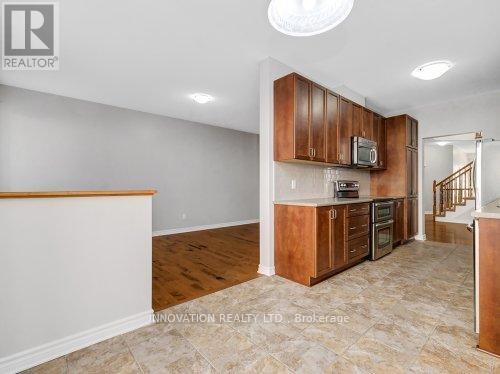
453	192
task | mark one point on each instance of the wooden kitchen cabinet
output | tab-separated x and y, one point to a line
399	221
411	217
331	250
332	127
488	276
299	115
317	124
338	242
411	132
324	253
358	226
400	177
314	124
311	243
345	131
412	172
358	248
357	120
379	129
367	125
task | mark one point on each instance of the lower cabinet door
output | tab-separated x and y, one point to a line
411	218
399	221
331	239
339	236
323	254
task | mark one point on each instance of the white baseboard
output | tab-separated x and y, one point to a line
49	351
421	238
266	270
205	227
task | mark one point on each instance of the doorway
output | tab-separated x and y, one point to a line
449	187
474	181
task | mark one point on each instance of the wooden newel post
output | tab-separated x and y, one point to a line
434	201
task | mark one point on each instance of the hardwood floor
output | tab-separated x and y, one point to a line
446	232
187	266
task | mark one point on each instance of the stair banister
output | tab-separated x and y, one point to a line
453	190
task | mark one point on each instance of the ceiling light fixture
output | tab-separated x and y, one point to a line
442	144
307	17
201	98
432	70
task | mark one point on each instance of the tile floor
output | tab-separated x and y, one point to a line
411	311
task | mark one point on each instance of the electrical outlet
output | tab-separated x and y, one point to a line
293	184
183	216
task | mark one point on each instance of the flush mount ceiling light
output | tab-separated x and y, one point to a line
432	70
201	98
307	17
442	144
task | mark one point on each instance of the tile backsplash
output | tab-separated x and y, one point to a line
312	181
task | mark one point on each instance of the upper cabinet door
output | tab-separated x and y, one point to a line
317	131
382	142
379	137
357	119
414	133
367	125
411	132
332	127
302	118
345	131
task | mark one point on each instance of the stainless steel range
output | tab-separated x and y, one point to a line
382	218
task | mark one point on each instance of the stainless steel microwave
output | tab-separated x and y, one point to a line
364	152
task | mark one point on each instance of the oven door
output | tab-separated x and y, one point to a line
382	239
383	211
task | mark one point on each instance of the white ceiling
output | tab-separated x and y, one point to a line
150	55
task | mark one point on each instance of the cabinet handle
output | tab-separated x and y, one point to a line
314	152
352	228
364	246
352	251
333	214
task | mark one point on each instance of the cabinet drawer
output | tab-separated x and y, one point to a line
358	247
358	226
358	209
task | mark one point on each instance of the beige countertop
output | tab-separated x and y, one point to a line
56	194
492	210
327	201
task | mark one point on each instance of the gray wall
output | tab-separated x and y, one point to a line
50	142
438	164
490	172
